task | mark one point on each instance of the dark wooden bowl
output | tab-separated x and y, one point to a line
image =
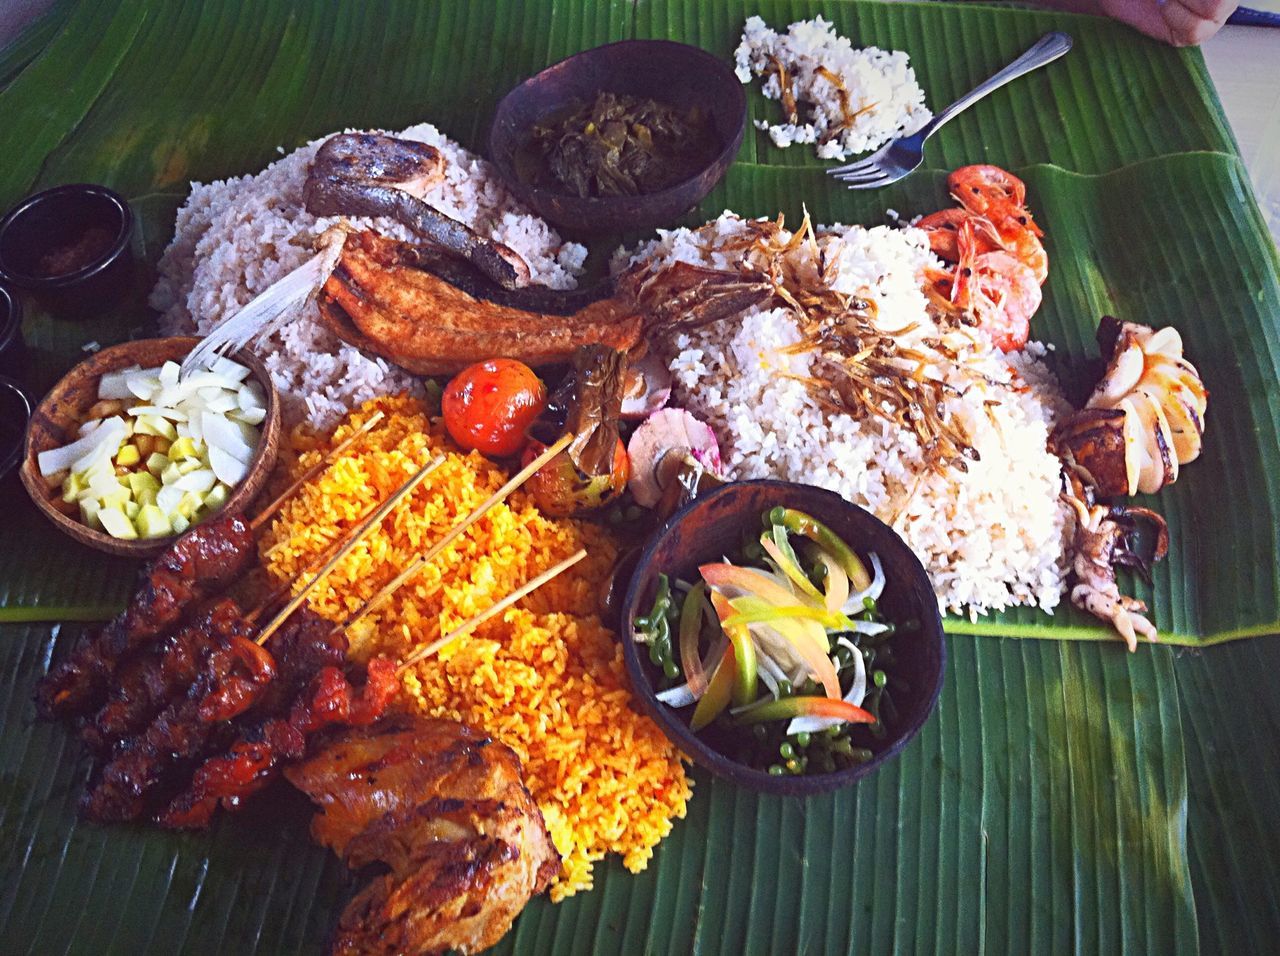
676	73
55	419
713	526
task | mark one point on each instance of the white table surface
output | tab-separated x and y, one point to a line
1243	61
1245	65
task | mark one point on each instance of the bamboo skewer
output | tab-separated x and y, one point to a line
420	562
467	627
363	529
265	514
283	590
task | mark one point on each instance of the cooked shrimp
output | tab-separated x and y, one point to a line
992	192
1002	294
1022	243
943	226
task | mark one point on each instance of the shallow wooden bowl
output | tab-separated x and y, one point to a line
56	418
675	73
713	526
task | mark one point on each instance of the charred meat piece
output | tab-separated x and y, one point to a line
366	174
200	563
445	809
147	681
232	676
388	298
311	693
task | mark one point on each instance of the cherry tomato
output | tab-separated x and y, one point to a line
488	406
559	489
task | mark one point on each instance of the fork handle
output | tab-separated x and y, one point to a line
1045	50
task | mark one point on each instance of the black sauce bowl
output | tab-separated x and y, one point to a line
12	347
713	526
58	218
15	412
676	73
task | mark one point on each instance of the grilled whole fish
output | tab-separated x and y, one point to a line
432	314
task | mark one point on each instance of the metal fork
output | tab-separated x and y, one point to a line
895	160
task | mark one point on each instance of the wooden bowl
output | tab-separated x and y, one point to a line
56	418
675	73
713	526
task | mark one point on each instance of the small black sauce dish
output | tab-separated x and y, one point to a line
713	526
674	73
13	349
69	247
15	412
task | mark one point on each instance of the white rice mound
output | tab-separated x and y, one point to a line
882	87
236	237
990	537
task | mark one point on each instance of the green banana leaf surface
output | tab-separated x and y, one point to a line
1066	796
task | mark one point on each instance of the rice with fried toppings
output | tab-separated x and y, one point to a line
546	678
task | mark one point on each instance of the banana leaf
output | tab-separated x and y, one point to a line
1066	796
1043	808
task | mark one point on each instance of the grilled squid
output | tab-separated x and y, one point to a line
1145	417
1104	538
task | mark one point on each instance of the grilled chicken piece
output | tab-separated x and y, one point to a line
445	808
434	316
366	174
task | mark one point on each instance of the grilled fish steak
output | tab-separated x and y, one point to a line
445	809
367	174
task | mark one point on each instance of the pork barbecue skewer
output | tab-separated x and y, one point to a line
201	563
145	682
263	746
232	675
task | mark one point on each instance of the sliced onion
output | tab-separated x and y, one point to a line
159	411
219	432
857	693
683	695
680	696
114	385
858	690
106	437
226	467
227	369
873	590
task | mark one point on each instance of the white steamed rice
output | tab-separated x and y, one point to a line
882	89
990	537
236	237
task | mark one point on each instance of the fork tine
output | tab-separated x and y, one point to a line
868	175
884	180
860	166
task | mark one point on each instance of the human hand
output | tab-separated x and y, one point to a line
1179	22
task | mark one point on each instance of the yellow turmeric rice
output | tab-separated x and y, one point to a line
546	677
